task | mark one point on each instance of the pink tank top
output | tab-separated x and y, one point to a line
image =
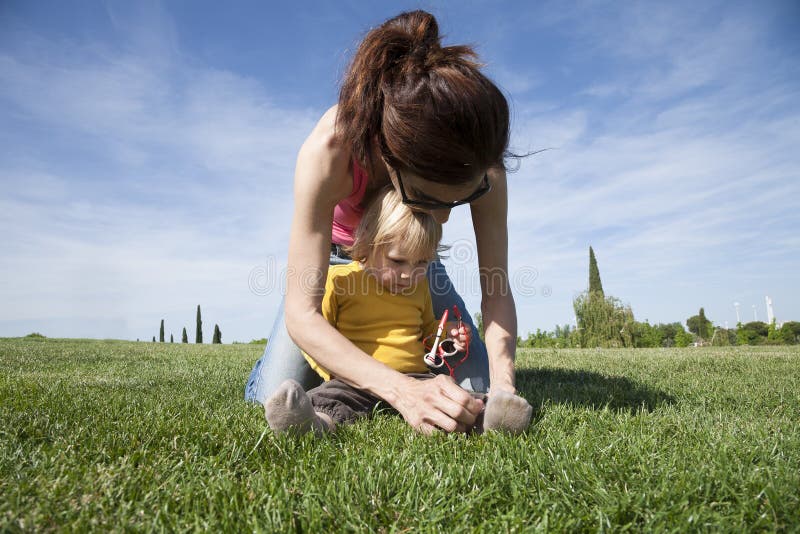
347	213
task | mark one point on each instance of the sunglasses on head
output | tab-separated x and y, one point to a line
433	204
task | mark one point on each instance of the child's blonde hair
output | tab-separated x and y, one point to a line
388	221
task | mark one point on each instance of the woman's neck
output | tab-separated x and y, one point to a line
378	179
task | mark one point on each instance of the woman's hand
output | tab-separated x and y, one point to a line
438	403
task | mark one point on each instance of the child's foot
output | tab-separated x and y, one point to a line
507	412
289	409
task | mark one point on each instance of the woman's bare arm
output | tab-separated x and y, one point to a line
321	181
489	219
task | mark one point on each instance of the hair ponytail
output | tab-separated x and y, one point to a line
429	107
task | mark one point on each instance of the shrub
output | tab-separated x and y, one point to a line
603	321
790	332
683	338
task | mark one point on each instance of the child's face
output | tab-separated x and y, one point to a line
396	270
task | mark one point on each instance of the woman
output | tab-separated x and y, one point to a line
422	118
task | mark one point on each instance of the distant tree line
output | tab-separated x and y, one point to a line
603	321
198	337
645	335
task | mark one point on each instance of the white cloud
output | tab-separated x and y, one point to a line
515	82
671	185
184	189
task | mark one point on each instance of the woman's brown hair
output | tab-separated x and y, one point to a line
429	108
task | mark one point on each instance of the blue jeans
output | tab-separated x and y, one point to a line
282	359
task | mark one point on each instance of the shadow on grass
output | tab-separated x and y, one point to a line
588	389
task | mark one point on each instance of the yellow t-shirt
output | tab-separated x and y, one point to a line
389	327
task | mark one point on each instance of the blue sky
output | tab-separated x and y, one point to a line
147	152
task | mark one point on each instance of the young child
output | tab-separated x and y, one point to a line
381	303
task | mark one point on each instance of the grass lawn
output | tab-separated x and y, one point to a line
98	435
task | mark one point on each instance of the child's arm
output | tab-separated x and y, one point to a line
460	336
430	323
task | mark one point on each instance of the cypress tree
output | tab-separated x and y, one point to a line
217	335
154	339
699	324
184	338
170	339
703	324
595	285
161	332
198	336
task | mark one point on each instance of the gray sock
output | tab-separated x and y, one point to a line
289	409
506	412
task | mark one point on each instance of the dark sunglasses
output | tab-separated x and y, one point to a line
484	188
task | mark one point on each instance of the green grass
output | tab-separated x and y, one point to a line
98	435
